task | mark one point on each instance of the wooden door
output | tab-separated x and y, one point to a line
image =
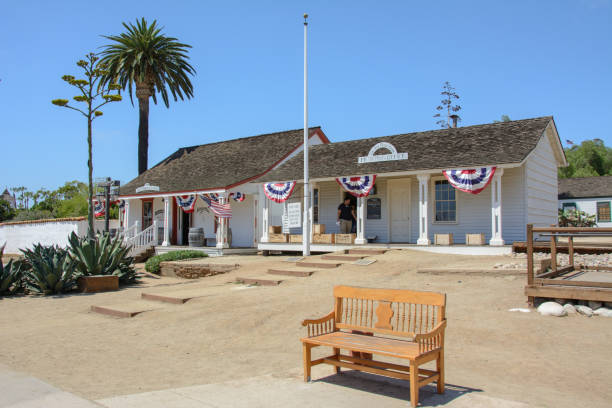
399	209
147	213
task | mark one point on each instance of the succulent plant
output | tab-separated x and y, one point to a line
10	277
50	270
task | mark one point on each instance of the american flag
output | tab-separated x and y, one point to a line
220	210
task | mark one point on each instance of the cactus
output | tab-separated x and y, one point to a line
51	270
10	277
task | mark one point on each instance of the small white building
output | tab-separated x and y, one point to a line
592	195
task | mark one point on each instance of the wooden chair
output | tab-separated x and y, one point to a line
406	325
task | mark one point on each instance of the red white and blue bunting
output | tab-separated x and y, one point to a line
186	202
358	186
471	181
279	192
99	208
220	210
121	205
238	196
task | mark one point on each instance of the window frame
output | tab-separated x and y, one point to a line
597	211
568	204
433	200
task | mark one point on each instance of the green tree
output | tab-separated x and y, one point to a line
449	94
504	118
94	94
146	59
19	192
6	211
590	158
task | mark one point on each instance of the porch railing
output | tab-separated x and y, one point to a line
144	239
130	232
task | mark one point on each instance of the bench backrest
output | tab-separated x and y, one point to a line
394	312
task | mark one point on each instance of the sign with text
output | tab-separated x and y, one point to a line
373	157
294	215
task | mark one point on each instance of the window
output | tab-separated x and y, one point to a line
603	211
147	213
569	206
445	202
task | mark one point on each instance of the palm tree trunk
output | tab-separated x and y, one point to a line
143	134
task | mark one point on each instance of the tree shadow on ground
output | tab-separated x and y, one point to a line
394	388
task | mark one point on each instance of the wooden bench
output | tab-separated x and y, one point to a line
403	324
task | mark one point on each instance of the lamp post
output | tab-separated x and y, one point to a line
306	223
110	193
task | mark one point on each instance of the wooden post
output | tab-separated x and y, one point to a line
570	250
530	275
553	250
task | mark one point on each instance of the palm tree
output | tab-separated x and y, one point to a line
145	58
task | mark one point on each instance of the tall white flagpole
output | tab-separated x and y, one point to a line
306	223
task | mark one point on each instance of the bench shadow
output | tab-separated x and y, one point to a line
394	388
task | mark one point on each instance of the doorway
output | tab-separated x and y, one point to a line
185	225
399	210
147	213
353	205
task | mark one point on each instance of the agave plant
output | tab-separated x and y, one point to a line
101	256
10	277
50	270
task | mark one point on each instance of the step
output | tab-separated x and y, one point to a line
346	258
176	299
367	251
126	309
259	281
289	272
323	265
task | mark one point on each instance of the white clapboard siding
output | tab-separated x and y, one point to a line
541	188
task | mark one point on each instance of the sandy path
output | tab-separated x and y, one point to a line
233	334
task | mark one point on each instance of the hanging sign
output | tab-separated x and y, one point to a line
392	155
471	181
99	208
294	215
279	192
358	186
147	187
186	202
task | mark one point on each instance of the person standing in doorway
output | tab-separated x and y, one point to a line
346	215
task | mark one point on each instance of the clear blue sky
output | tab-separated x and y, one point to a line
376	68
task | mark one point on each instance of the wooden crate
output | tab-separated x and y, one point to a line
277	237
323	238
275	229
443	239
318	228
474	239
345	238
295	238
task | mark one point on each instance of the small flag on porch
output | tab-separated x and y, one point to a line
358	186
122	206
99	208
238	196
186	202
220	210
279	192
471	181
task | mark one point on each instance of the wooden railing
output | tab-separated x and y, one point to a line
145	239
130	232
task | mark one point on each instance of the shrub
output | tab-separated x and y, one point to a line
11	280
152	264
573	218
102	256
49	270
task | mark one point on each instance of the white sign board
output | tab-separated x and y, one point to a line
147	187
393	154
294	215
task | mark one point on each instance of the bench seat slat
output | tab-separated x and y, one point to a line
367	344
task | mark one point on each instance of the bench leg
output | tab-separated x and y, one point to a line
337	353
440	369
414	383
307	360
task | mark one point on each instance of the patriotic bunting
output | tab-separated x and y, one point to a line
471	181
121	205
279	192
186	202
99	208
238	196
359	186
220	210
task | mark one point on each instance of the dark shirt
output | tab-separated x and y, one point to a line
345	212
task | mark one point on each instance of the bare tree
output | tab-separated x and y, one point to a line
447	104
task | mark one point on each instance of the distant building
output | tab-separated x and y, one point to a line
593	195
9	198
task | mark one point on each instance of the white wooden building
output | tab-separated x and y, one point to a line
593	195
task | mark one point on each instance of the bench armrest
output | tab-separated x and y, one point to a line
324	325
431	340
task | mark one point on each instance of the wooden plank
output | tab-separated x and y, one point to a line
557	272
323	265
346	258
596	267
372	370
553	252
367	344
288	272
391	295
530	271
570	250
357	251
572	229
569	292
259	281
565	282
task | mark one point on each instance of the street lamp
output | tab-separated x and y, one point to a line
107	189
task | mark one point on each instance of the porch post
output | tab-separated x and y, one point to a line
423	206
126	215
222	226
166	221
311	211
360	239
265	216
496	209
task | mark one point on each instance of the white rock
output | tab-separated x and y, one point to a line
519	309
603	311
551	309
594	304
584	310
569	308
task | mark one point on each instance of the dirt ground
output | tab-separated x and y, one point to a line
235	332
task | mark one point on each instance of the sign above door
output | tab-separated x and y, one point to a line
373	157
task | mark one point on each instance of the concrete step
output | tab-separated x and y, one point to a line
259	281
322	265
290	272
345	258
175	298
129	309
356	251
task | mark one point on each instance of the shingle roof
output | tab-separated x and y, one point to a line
219	165
495	143
585	187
